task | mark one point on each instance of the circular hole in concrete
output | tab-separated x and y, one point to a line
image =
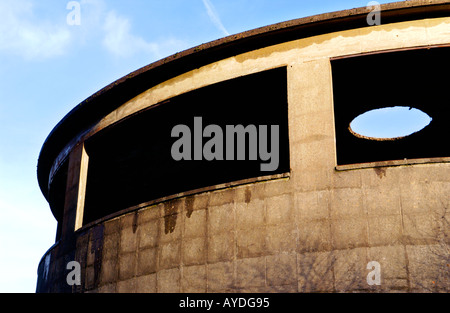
390	123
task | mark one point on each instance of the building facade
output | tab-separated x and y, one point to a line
230	167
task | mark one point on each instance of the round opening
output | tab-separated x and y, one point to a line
391	123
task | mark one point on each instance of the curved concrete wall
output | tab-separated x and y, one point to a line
315	229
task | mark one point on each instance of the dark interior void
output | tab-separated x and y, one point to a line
414	78
131	163
57	195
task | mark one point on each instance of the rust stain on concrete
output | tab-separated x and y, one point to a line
170	217
135	222
189	206
248	195
380	172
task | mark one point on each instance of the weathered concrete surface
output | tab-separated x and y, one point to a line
280	240
314	231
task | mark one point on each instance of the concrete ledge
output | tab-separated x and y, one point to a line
405	162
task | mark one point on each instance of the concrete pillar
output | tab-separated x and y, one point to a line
75	190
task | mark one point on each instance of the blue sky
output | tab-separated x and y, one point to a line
385	122
47	67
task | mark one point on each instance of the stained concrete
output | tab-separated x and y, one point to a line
313	231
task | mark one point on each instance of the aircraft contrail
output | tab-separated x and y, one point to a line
215	17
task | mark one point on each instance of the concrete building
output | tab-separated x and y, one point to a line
339	213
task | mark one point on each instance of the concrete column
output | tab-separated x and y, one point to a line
75	190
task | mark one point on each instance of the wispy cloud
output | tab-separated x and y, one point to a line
212	13
24	35
121	42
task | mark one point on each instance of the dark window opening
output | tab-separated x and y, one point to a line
414	79
57	195
131	163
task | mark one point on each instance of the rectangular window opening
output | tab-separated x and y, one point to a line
415	79
133	162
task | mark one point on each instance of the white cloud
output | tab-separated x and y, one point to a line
215	17
25	34
119	40
21	34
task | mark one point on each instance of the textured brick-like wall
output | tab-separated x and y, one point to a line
265	237
314	231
